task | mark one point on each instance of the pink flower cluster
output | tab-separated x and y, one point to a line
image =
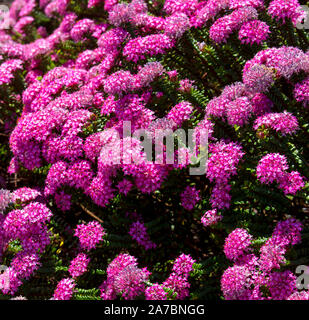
254	31
139	233
225	26
141	47
283	122
176	284
178	279
239	101
189	197
222	164
286	9
89	234
25	194
210	218
78	265
250	274
301	92
237	244
273	168
7	70
64	290
124	278
29	226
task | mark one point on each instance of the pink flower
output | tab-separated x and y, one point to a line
210	218
189	197
237	244
78	265
254	31
155	292
283	122
64	289
139	233
89	234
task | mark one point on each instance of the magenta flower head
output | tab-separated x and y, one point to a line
254	31
89	234
183	264
210	218
189	197
237	244
124	278
78	265
155	292
64	289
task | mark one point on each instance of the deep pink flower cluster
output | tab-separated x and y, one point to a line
176	284
239	101
124	278
283	122
225	26
233	104
208	11
189	197
273	168
119	82
285	60
180	113
259	78
282	285
7	70
178	279
183	265
176	25
237	244
286	9
65	289
124	186
250	274
261	104
25	194
210	218
22	24
141	47
289	230
155	292
235	4
222	164
139	233
78	265
177	6
301	92
254	31
89	234
28	225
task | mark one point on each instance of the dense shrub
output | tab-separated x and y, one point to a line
81	220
